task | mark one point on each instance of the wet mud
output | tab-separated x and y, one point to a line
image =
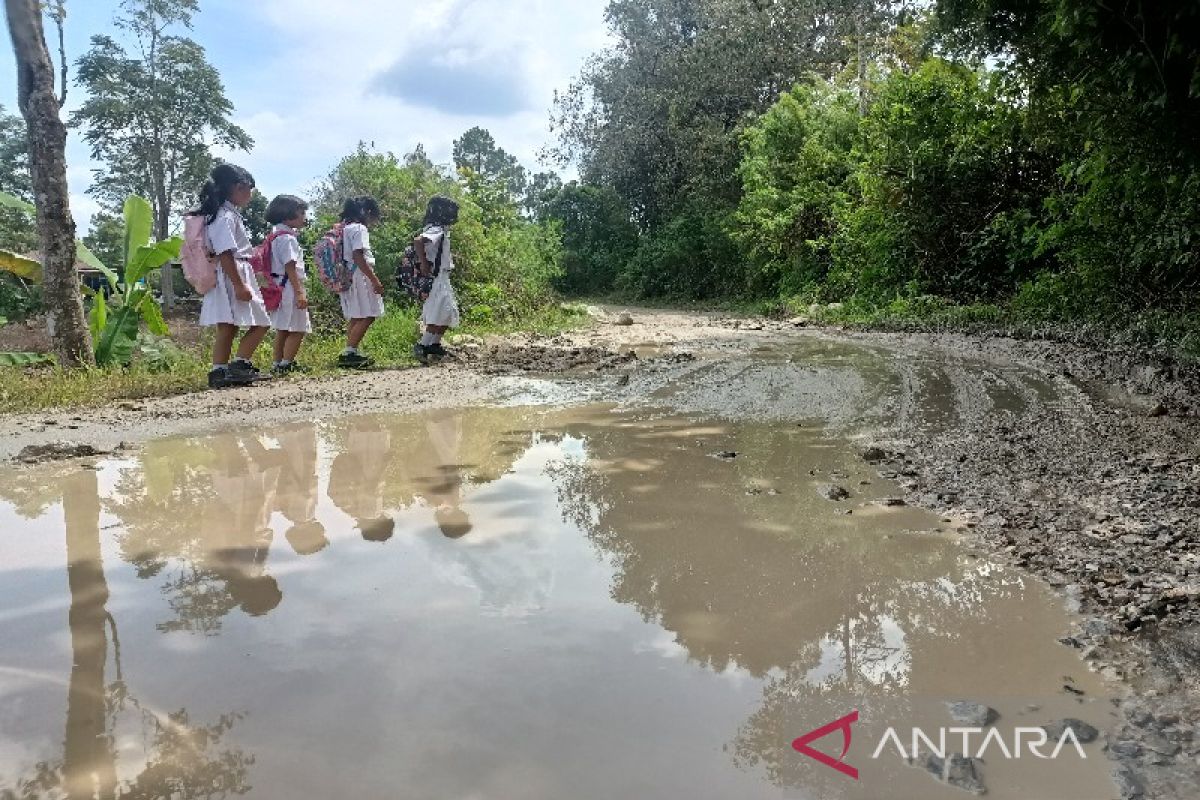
761	529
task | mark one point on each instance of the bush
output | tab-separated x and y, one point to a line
949	191
691	257
798	160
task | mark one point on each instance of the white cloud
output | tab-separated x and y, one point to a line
339	91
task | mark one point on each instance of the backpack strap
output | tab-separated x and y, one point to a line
437	260
269	244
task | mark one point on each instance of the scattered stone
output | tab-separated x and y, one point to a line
798	322
1157	743
1083	732
957	771
624	319
725	455
57	451
1128	784
1126	749
975	715
1072	690
874	455
891	502
833	492
623	380
1159	410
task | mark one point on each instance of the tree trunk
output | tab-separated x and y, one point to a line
47	165
861	25
162	231
89	763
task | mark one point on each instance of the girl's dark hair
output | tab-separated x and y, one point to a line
284	208
442	211
224	179
360	209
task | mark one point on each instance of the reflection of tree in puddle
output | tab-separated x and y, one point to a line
830	611
180	759
198	513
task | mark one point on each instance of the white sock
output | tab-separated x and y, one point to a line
221	366
350	351
437	338
428	339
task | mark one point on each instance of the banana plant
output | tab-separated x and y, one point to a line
115	322
29	269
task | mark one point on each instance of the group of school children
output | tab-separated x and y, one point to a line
236	302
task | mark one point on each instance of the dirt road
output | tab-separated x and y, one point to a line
1081	468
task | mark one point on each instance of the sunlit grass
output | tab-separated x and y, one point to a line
389	341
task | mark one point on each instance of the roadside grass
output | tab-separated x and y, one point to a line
390	341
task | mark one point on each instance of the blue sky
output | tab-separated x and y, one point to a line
310	78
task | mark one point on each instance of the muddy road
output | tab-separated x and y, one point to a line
637	560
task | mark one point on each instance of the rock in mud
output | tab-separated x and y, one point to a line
957	771
891	502
624	319
1129	786
833	492
874	455
725	455
1083	732
977	715
57	451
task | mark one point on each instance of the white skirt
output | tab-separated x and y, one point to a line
221	307
441	308
289	319
360	300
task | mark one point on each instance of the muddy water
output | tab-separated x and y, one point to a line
505	603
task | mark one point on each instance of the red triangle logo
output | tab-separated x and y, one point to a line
844	724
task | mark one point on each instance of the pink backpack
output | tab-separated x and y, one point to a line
269	284
199	267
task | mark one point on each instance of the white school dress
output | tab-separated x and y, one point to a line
441	308
360	300
285	249
221	306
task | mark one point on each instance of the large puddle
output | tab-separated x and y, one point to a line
507	603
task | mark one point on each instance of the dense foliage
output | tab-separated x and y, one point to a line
1039	153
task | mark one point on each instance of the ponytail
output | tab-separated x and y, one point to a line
217	189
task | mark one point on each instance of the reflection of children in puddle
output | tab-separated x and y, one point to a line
297	494
504	557
237	530
357	475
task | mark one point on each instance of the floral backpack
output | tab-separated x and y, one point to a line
409	277
269	284
329	256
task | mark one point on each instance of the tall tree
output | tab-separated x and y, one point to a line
477	150
47	138
153	112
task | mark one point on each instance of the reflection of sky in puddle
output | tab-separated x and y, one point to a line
494	602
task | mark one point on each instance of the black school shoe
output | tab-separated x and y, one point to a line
355	361
436	349
244	373
291	369
226	379
421	353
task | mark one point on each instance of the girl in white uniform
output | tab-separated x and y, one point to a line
362	303
440	312
289	215
235	302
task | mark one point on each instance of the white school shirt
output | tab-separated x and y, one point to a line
355	236
284	250
433	236
227	232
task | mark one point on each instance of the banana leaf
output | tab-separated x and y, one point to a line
118	338
20	266
9	201
139	224
151	257
88	257
24	359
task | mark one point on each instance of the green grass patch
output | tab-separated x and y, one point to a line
390	341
